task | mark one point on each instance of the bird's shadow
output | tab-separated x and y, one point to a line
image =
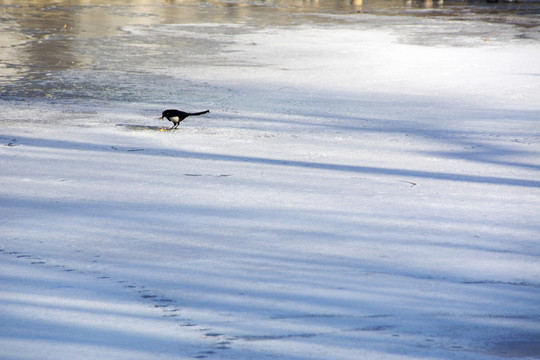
145	127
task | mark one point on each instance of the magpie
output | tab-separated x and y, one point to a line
175	116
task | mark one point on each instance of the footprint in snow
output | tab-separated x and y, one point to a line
159	301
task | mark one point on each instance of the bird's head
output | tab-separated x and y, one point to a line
167	114
163	115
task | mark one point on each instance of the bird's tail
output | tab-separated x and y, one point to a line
199	113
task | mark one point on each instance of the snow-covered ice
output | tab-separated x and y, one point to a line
353	194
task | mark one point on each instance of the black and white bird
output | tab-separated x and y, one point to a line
175	116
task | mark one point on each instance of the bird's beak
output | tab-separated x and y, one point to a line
160	118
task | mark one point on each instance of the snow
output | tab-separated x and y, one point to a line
351	195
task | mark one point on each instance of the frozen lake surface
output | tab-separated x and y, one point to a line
365	186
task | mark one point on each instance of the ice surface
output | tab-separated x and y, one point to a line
353	194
